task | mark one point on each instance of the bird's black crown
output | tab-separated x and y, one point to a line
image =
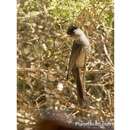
71	29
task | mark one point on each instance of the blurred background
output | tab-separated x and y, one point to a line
43	50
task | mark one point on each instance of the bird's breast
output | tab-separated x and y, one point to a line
81	58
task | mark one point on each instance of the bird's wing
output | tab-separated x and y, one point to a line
75	53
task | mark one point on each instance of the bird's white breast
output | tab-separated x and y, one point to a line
85	41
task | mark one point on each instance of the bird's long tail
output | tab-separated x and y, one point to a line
79	84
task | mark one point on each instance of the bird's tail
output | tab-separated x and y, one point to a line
79	86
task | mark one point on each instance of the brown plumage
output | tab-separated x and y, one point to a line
77	60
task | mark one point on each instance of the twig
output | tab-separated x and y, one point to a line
107	55
31	69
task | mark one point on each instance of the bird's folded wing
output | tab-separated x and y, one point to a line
75	56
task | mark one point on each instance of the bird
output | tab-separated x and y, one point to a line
80	50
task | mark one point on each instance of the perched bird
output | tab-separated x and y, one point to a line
79	52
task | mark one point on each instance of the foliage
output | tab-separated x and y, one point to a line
42	58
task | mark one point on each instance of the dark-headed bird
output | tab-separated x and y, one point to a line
80	50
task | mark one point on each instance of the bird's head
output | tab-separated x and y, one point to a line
74	31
